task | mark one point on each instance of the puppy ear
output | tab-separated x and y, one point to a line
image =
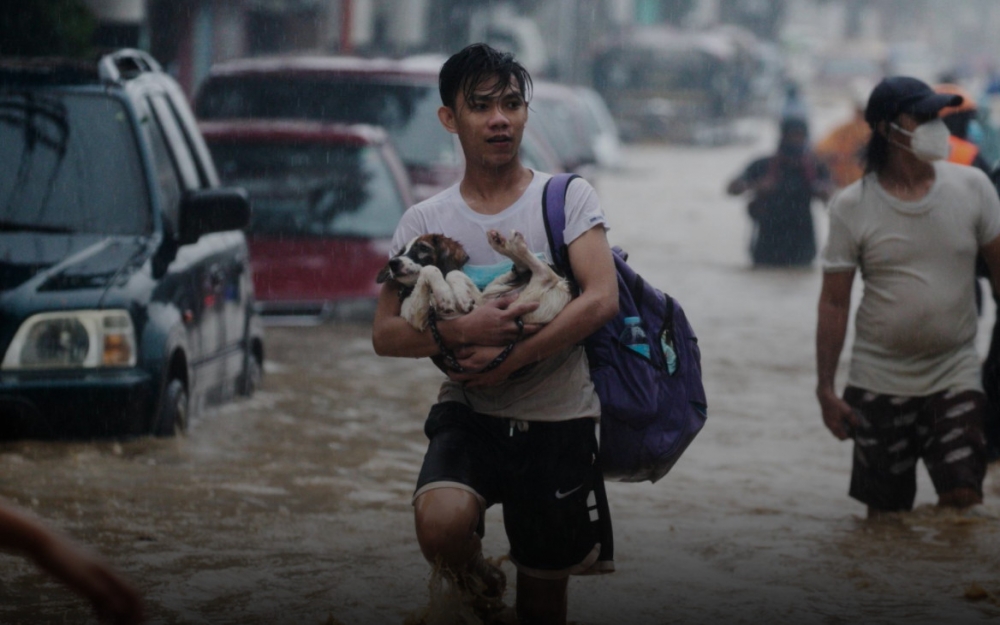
383	275
451	255
460	256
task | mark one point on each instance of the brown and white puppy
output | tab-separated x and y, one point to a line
429	269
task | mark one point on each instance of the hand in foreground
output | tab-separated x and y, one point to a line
838	415
114	600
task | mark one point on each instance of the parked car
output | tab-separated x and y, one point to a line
558	114
601	128
126	302
398	96
537	154
326	199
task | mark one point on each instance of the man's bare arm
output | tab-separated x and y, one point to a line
831	329
114	600
594	270
493	323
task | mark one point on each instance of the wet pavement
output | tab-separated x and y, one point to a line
293	506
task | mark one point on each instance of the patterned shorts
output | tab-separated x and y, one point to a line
945	429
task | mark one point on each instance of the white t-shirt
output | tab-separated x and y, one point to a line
558	388
916	325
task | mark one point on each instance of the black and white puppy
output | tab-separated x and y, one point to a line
429	269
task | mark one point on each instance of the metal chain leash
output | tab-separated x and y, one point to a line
449	356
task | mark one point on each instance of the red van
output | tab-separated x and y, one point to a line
325	201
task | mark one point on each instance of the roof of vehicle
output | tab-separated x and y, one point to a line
113	68
47	71
280	130
312	65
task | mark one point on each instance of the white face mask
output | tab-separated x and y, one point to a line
929	141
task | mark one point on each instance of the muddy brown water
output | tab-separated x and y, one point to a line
293	506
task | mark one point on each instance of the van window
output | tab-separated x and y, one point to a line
312	190
59	152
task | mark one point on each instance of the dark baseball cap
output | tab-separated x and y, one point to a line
904	94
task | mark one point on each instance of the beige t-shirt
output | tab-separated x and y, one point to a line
916	325
558	388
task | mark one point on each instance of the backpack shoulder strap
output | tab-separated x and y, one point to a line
554	215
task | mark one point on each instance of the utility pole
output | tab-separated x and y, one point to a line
346	26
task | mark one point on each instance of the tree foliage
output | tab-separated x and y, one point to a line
45	28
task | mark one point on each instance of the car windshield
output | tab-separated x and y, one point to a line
408	112
69	163
312	190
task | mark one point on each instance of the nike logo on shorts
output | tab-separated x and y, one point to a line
562	495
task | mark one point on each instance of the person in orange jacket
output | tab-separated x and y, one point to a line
957	119
842	149
965	152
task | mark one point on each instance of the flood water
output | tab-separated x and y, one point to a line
293	506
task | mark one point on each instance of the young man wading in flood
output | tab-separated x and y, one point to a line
523	434
913	226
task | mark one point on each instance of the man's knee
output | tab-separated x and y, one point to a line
446	521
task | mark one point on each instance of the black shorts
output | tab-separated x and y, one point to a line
545	475
945	429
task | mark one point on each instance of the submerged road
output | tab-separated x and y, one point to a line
293	506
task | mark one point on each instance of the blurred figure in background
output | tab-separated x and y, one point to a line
958	119
985	133
842	150
795	105
113	599
783	187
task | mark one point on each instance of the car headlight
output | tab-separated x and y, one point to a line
73	339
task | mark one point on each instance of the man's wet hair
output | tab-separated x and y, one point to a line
473	65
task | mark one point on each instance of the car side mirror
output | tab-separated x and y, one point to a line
213	210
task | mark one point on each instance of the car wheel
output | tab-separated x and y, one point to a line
173	417
252	376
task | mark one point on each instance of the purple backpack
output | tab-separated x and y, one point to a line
650	410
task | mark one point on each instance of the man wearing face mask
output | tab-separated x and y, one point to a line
783	187
913	226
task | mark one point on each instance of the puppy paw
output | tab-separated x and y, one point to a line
517	242
465	292
464	302
497	240
445	304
